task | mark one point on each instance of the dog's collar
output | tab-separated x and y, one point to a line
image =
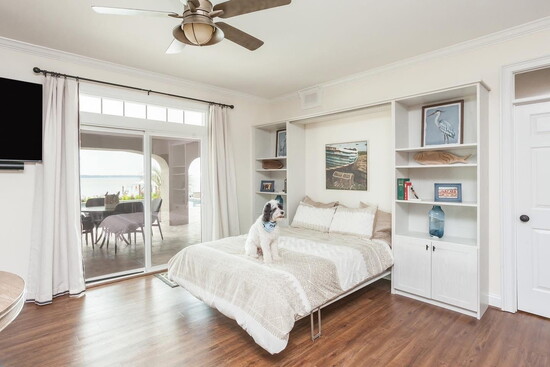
269	226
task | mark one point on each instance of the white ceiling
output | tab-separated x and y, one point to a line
306	43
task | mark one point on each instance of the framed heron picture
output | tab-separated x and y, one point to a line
442	123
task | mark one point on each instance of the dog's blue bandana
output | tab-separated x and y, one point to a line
269	226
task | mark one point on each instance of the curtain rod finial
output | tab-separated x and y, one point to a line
36	70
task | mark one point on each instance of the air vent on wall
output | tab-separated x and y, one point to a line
310	97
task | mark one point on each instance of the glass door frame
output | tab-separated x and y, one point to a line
148	142
147	138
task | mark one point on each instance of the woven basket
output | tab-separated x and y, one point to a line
272	164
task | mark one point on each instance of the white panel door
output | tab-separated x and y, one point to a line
532	126
454	275
411	269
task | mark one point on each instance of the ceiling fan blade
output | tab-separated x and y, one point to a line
127	11
233	8
239	37
175	47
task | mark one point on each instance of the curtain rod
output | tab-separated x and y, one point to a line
45	72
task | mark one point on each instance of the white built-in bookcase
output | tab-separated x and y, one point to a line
293	169
452	271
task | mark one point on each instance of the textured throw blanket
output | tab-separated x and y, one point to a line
266	299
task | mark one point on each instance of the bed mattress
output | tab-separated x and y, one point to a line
266	299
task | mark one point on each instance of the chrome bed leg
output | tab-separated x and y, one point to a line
313	335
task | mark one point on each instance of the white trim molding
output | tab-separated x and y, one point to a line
507	171
495	301
20	46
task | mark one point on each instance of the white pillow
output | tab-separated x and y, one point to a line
311	217
354	221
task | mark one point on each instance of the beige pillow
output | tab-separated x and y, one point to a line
311	217
319	204
382	226
353	221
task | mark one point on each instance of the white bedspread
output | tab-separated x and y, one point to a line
266	299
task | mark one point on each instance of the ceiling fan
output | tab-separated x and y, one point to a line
197	27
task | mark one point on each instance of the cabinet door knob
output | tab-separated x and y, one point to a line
427	247
524	218
433	248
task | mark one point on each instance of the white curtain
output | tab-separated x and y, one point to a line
55	266
222	217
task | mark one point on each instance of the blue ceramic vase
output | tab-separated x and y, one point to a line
436	221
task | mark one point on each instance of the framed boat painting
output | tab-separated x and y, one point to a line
346	166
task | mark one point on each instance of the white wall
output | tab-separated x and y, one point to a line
17	189
373	125
437	71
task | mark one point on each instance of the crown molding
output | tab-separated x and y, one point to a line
29	48
487	40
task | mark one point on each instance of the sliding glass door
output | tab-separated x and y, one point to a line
175	196
155	182
112	166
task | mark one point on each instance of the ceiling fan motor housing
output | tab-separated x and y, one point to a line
201	15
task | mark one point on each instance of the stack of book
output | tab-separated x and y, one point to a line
405	190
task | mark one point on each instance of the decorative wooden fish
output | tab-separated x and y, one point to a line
439	157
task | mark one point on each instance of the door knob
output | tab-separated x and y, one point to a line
524	218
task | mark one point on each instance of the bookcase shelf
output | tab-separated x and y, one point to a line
271	193
292	172
438	147
450	271
271	158
453	239
456	165
431	202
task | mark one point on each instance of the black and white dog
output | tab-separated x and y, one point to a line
264	233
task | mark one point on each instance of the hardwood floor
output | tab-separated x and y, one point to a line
144	322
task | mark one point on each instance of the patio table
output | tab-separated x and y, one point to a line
98	213
120	224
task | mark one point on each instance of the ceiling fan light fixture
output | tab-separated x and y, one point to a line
198	33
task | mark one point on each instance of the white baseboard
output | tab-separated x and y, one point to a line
495	301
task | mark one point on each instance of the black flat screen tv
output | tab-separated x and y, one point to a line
20	121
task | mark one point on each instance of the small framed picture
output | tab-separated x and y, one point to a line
267	186
280	143
442	123
448	192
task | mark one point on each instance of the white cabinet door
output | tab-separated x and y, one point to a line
454	275
411	268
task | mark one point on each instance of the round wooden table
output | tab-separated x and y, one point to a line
12	291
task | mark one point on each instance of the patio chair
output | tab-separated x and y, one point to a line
95	202
97	217
128	207
155	209
87	228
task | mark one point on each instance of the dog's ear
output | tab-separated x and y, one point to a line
267	213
